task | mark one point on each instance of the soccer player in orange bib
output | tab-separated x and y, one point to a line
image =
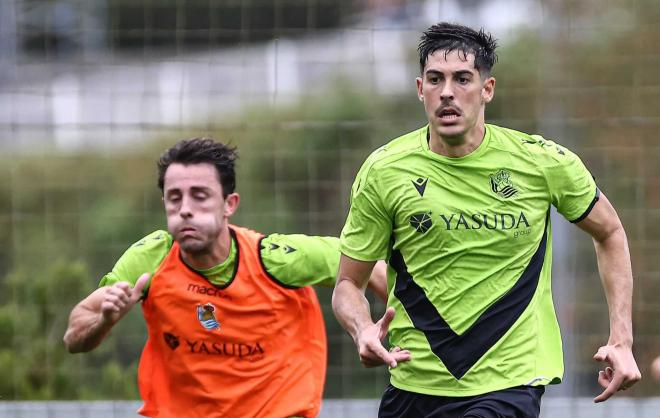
234	326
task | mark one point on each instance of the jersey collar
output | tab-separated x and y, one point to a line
424	141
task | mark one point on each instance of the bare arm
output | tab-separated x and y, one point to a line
378	280
94	316
611	245
352	311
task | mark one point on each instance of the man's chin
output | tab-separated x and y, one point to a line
452	133
193	246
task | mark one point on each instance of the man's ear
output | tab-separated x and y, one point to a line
420	91
231	204
488	90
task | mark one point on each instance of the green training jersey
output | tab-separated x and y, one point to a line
468	244
293	260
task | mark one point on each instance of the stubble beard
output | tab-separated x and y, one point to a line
454	138
194	247
198	247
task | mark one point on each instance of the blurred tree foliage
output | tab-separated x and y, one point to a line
66	218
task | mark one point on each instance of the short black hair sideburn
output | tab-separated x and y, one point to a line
199	151
450	37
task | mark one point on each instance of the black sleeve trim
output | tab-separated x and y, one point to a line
270	276
591	206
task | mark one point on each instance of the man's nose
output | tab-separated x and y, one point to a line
185	211
447	91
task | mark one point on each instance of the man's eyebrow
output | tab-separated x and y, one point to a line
458	72
200	189
192	189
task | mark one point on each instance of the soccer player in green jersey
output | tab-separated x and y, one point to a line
234	328
460	209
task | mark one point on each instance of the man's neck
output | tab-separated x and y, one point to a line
213	257
456	147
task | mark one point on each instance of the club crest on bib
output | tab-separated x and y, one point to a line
206	316
500	183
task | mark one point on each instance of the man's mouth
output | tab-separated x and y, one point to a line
449	114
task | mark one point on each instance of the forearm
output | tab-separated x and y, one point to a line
86	331
351	307
616	275
378	281
87	325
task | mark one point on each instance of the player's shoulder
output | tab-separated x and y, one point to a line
298	260
276	243
395	150
541	150
399	148
155	241
290	243
145	255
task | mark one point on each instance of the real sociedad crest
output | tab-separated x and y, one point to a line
500	183
206	316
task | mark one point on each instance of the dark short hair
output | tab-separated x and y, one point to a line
199	151
450	37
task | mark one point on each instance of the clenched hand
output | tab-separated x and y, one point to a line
120	298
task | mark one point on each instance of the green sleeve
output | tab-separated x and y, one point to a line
301	260
368	228
142	257
573	189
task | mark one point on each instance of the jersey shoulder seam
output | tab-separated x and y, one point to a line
525	146
152	240
269	274
393	151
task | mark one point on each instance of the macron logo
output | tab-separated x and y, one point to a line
420	185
